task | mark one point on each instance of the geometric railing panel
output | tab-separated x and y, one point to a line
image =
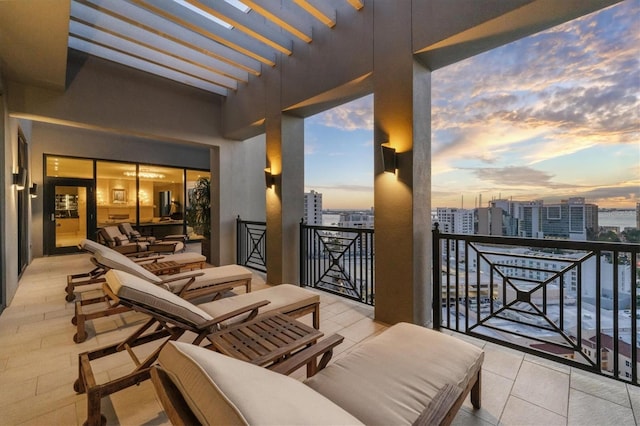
572	301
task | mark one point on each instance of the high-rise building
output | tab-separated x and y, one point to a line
356	220
528	214
313	208
638	215
455	221
566	220
497	219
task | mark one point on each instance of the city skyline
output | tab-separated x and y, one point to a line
551	116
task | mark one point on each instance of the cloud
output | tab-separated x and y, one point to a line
345	187
517	176
354	115
573	86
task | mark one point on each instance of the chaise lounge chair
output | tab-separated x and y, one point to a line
209	282
185	260
113	238
169	244
172	316
407	375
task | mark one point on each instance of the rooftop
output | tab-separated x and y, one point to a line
39	363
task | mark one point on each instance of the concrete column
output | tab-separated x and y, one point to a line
285	199
402	115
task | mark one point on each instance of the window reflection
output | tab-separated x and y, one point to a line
152	198
69	167
115	193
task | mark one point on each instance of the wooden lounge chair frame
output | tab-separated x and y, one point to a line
180	414
165	327
113	307
96	275
441	410
171	328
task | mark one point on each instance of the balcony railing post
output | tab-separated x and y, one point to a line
303	253
437	268
238	241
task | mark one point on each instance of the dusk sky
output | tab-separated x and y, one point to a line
551	116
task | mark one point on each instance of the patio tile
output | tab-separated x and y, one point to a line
585	409
498	361
634	396
62	416
520	412
543	387
493	402
611	390
361	329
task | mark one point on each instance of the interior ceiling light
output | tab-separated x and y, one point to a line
146	175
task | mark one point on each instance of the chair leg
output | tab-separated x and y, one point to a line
81	333
476	391
316	317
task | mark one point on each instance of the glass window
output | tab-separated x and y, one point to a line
192	178
115	193
69	167
161	194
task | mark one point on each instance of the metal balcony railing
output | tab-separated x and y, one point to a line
571	301
338	260
251	244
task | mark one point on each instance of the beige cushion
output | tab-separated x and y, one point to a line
284	298
113	234
183	258
141	292
92	246
222	390
113	260
212	276
390	379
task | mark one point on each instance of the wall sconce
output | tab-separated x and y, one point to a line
20	179
33	190
269	179
388	158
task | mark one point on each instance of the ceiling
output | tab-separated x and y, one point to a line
214	45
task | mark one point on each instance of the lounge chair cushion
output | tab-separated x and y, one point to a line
114	260
411	363
92	246
137	290
223	390
186	258
209	277
212	276
281	296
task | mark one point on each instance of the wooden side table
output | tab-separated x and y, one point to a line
160	268
266	340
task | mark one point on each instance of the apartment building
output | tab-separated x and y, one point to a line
313	208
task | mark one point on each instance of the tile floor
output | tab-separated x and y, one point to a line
38	365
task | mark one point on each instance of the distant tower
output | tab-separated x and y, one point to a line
313	208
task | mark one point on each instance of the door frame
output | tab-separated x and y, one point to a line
49	208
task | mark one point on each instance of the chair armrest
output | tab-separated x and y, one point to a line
324	347
151	258
183	277
253	308
439	410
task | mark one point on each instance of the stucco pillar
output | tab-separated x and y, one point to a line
402	199
285	198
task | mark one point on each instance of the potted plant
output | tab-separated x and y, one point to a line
198	213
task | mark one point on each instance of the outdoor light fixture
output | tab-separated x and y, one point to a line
388	158
269	179
20	179
33	190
